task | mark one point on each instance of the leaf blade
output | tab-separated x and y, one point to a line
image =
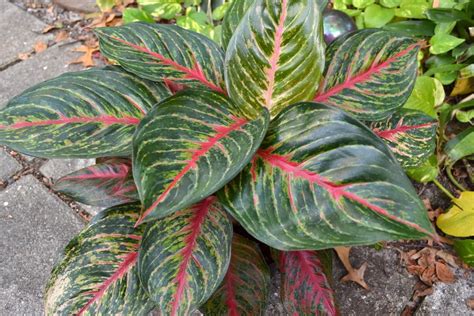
72	116
319	177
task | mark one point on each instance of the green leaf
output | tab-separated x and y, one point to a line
361	4
441	15
106	184
412	28
459	220
426	96
426	172
442	43
460	146
445	28
377	16
184	257
390	3
465	250
318	180
236	11
285	59
97	274
413	9
85	114
246	286
369	73
219	13
164	52
165	11
410	134
305	287
130	15
189	147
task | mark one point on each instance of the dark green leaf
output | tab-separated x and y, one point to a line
369	73
184	257
465	250
189	147
85	114
164	52
232	18
276	56
97	274
246	286
410	134
460	146
105	184
412	27
318	180
440	15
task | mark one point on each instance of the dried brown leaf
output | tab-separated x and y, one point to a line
354	275
40	46
87	58
470	303
444	273
24	56
61	36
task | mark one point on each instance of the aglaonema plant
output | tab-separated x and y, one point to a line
302	146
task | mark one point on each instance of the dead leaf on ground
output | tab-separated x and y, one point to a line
40	46
48	28
470	303
24	56
87	58
354	275
443	273
61	36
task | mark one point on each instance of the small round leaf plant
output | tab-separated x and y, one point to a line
301	146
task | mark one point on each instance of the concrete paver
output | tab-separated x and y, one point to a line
56	168
8	165
40	67
20	31
35	227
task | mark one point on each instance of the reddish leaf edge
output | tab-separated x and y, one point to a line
322	96
271	71
221	132
336	191
124	169
123	268
102	119
320	293
194	228
195	73
390	133
231	300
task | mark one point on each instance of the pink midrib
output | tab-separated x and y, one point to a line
350	82
123	268
231	301
122	173
222	131
336	191
195	73
306	265
201	210
103	119
388	134
271	72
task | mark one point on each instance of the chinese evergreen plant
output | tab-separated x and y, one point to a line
303	147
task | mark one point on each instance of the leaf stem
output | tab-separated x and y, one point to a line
451	177
442	188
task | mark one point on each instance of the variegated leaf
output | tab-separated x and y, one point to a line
164	52
276	55
184	257
106	184
369	73
246	286
232	18
410	134
305	288
83	114
190	146
97	274
320	179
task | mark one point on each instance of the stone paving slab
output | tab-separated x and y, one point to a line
35	227
19	32
8	165
391	287
56	168
40	67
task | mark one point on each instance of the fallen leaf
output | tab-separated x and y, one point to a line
48	28
443	273
61	36
354	275
448	257
23	56
459	220
424	292
87	58
40	46
470	303
429	275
